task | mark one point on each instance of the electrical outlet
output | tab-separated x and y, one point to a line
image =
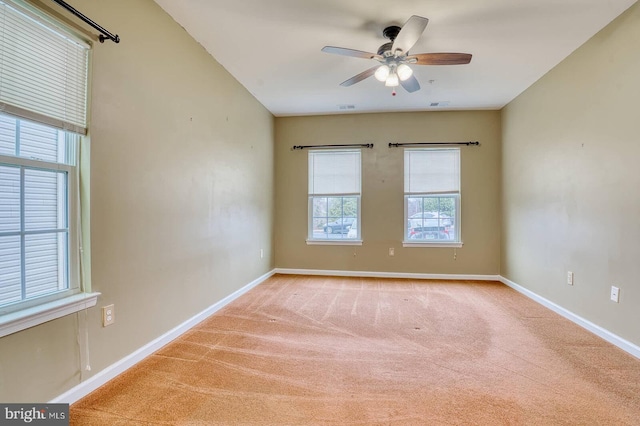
570	278
108	315
615	294
392	251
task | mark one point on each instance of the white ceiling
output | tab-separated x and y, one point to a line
272	47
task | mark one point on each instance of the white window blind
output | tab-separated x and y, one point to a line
43	71
432	171
334	172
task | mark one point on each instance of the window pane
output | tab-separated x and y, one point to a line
38	141
320	207
333	216
10	269
35	141
7	135
9	199
45	260
44	198
431	218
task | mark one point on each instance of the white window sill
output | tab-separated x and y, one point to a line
334	242
428	244
30	317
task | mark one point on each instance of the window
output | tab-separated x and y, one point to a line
37	168
432	196
43	99
334	196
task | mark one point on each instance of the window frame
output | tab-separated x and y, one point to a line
73	261
457	196
358	196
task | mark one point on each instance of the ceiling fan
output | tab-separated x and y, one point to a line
395	59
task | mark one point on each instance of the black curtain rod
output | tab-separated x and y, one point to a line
396	145
363	145
102	37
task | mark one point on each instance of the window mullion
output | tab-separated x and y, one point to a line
23	262
327	210
63	276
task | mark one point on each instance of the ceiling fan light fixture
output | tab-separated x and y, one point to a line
382	73
392	80
404	71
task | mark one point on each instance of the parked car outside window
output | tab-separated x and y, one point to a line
429	226
339	226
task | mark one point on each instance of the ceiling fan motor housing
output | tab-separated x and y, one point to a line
389	33
385	48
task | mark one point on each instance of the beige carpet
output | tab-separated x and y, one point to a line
358	351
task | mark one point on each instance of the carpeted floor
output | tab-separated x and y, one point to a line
360	351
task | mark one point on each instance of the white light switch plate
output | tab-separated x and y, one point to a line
615	294
570	278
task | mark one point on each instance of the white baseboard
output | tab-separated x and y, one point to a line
94	382
616	340
368	274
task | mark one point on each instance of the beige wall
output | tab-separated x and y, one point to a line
382	191
181	198
571	181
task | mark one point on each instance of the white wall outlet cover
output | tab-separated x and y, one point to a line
108	315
